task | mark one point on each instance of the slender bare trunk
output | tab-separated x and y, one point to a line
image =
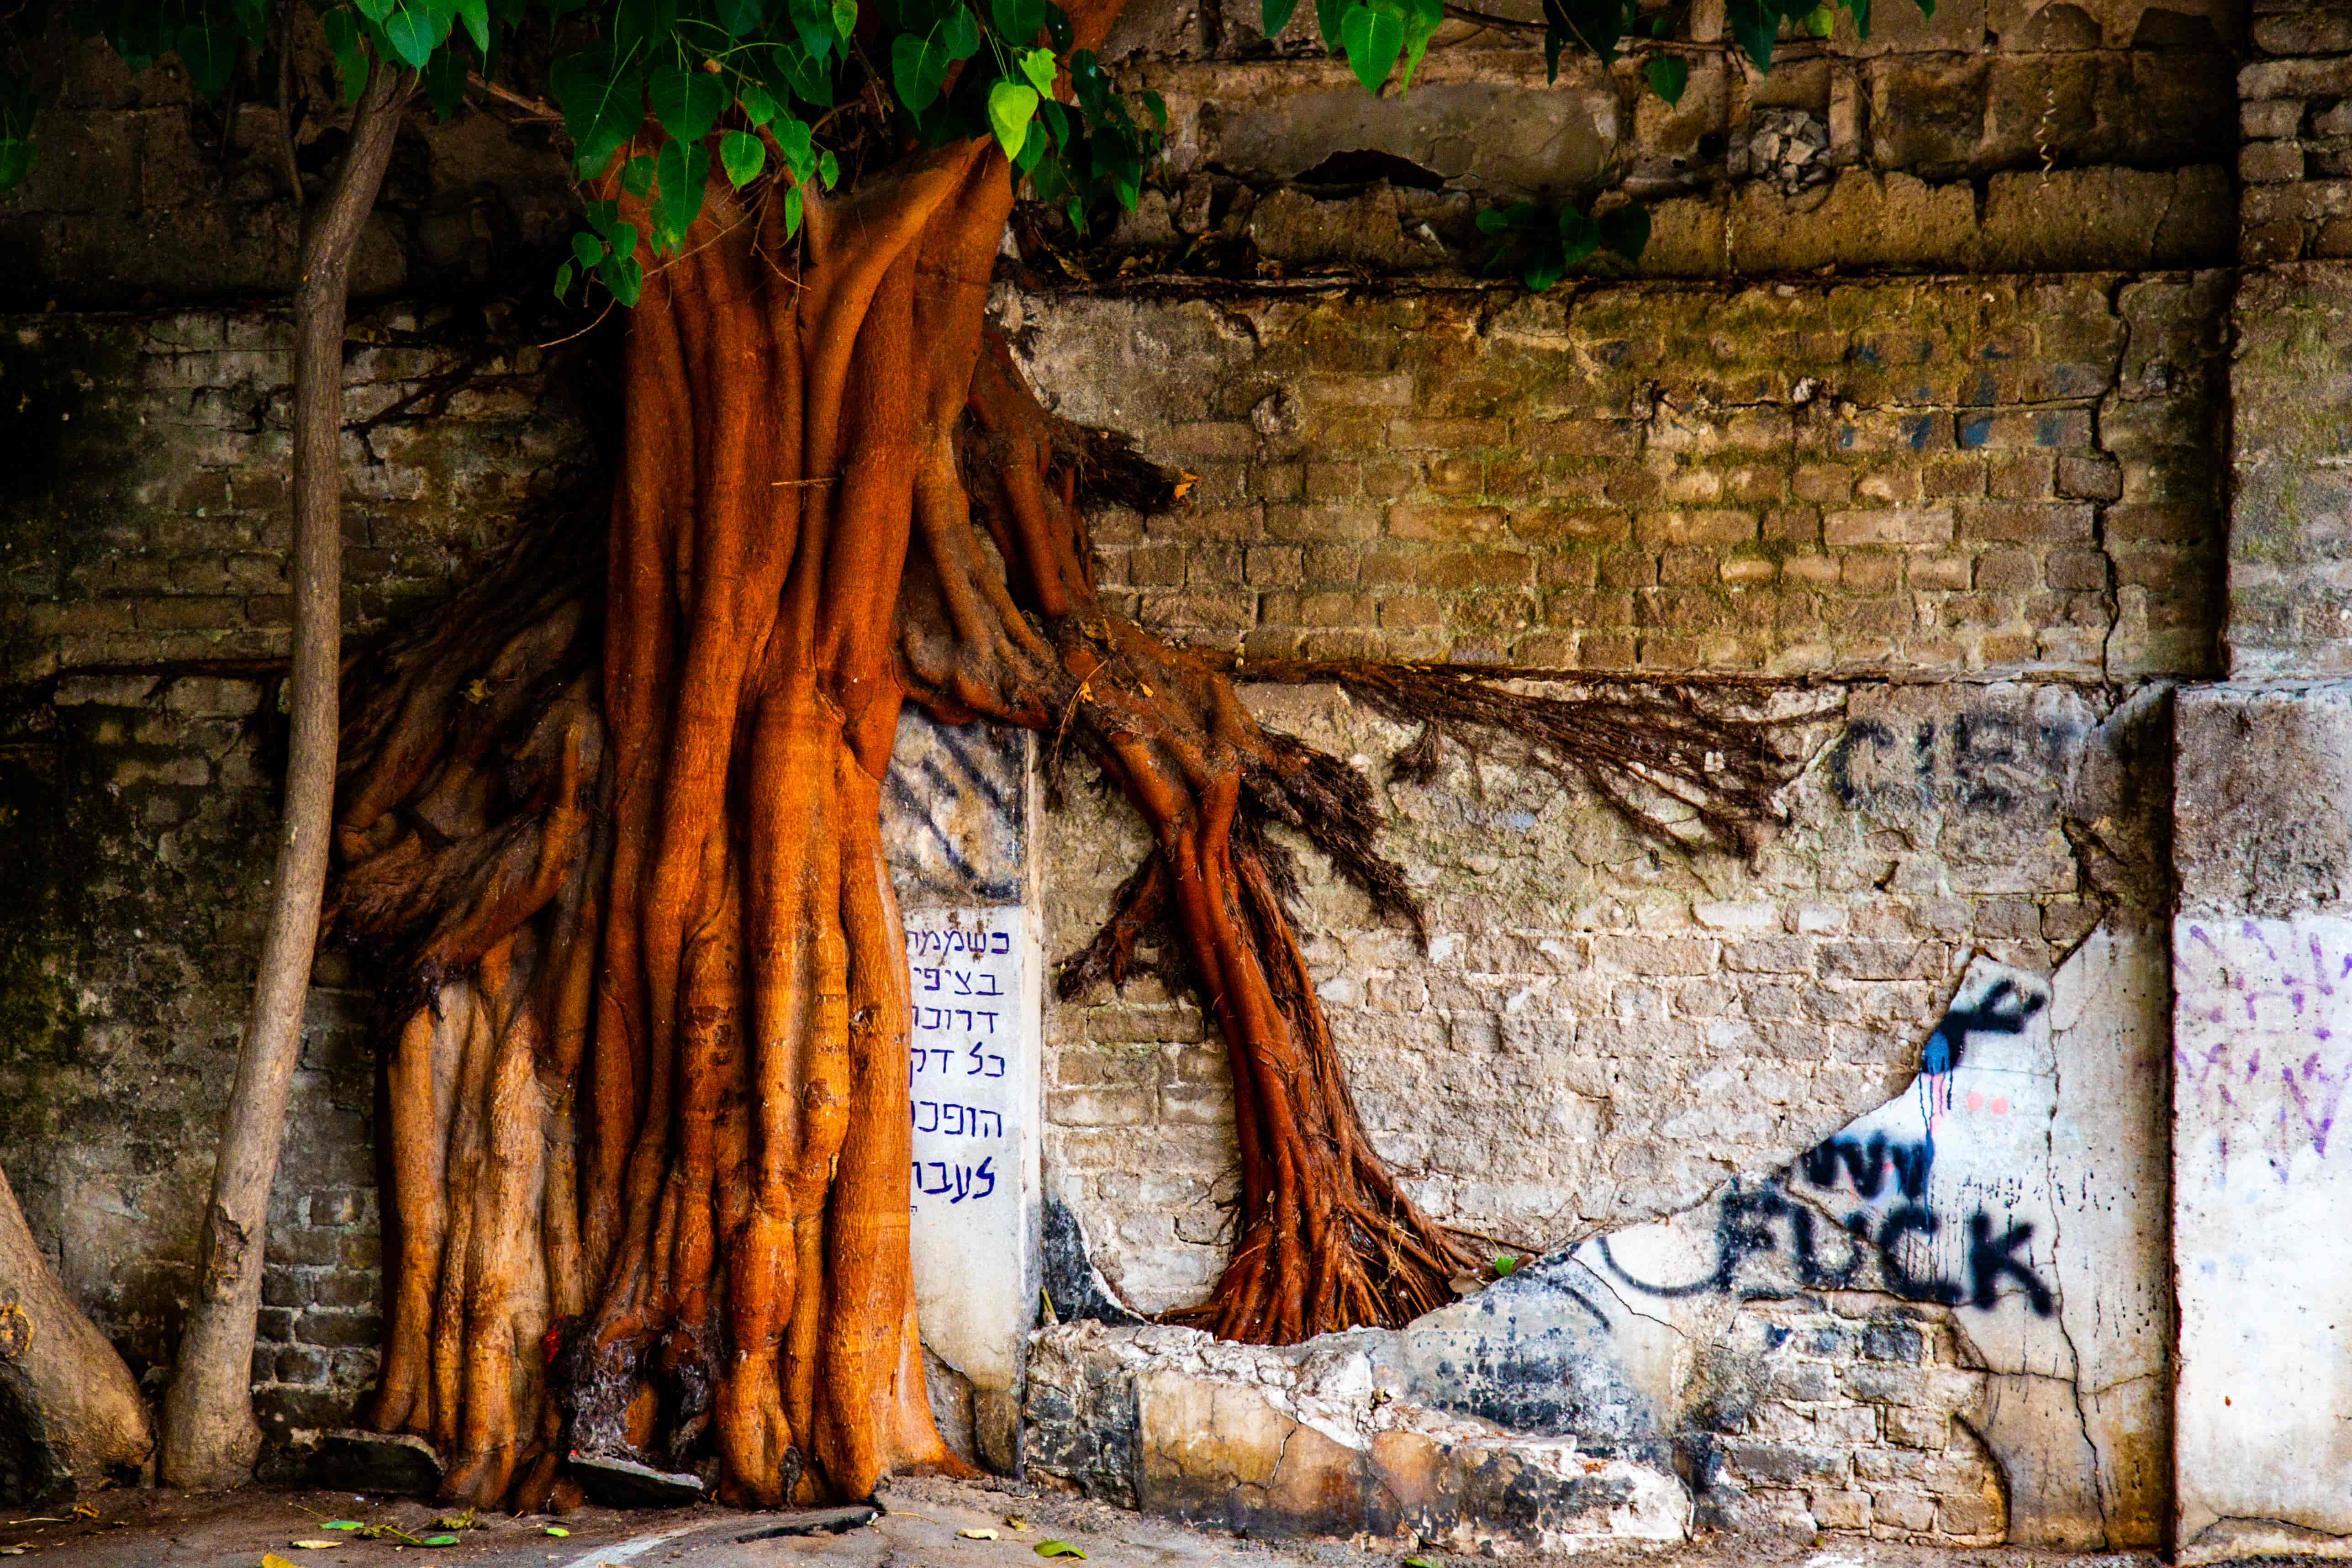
71	1417
210	1437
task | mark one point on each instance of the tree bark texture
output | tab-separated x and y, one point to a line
210	1437
648	1127
71	1417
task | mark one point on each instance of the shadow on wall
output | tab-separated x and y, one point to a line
1947	1324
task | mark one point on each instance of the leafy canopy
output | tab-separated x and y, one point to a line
785	89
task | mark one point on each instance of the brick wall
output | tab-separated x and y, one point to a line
142	611
2019	135
1936	478
2296	158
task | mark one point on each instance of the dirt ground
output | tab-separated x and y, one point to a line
920	1529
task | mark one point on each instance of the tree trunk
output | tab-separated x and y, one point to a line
210	1437
648	1121
71	1417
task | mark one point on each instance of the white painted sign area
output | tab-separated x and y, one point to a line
973	1091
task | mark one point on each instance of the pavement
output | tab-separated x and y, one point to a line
923	1526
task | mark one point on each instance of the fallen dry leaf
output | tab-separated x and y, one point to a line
316	1545
977	1534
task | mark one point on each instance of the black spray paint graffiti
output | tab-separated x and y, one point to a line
1978	761
1763	1220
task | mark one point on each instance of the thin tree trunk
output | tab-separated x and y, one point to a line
71	1417
210	1437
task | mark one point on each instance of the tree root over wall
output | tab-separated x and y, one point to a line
615	814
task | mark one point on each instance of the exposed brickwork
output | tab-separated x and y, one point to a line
1982	475
1845	1412
145	521
2296	157
1600	1033
2017	136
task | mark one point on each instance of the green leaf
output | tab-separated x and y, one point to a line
910	76
1421	1562
1058	1549
624	278
792	212
638	175
1579	236
557	1529
16	161
961	34
1156	107
1039	66
743	155
443	76
476	15
1011	107
1273	16
1542	272
209	53
588	249
680	170
351	54
1505	1265
792	142
1422	20
845	18
563	286
828	169
603	102
1329	15
1755	25
438	1541
741	18
760	105
1667	76
687	102
1374	39
1822	21
414	34
642	29
1626	231
342	1524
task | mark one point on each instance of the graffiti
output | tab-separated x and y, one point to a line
2262	1012
1865	1164
962	1181
1984	760
1763	1220
957	1121
1883	1204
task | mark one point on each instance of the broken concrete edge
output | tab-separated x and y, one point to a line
819	1521
1643	1383
626	1483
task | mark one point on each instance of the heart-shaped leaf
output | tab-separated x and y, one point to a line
758	103
1273	16
1626	231
1039	66
687	102
743	155
742	17
209	52
1011	107
476	15
412	35
602	103
1667	76
1373	40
